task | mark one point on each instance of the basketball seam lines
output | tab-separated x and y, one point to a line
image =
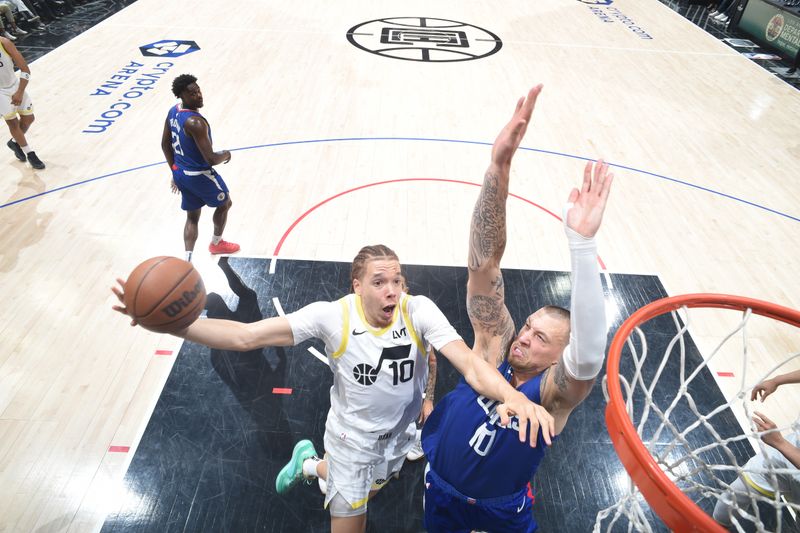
139	286
168	292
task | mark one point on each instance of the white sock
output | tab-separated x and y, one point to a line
27	149
189	255
215	239
310	467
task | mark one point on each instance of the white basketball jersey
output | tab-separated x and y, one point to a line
379	375
7	76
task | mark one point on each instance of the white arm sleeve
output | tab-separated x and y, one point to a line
583	357
431	323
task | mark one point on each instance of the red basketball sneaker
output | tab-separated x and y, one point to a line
223	247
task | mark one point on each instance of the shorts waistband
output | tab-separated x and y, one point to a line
498	500
205	172
757	487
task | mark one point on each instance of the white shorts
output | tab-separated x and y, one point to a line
9	111
359	463
760	471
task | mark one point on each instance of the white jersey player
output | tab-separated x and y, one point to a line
14	102
772	473
379	376
374	339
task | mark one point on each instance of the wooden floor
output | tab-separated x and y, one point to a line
706	195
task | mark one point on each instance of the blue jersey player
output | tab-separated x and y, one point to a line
478	471
186	143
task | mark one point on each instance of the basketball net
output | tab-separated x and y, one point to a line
653	430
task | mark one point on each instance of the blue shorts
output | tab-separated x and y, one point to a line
199	188
449	511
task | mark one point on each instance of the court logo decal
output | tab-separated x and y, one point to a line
167	48
135	79
431	40
775	27
123	89
603	10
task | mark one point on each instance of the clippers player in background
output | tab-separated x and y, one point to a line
15	101
186	143
478	473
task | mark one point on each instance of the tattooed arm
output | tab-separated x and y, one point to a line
491	321
427	403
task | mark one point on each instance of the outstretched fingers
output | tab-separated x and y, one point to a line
587	178
520	103
602	179
510	137
531	418
528	103
120	294
546	422
599	183
762	422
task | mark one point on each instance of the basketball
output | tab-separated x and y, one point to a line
165	294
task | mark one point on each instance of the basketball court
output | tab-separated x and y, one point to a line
348	127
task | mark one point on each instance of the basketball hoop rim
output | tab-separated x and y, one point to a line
677	511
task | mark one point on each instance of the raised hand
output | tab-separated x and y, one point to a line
512	133
119	292
763	389
763	423
589	203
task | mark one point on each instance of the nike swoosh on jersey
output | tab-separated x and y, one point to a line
359	332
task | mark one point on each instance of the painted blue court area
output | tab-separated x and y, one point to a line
224	424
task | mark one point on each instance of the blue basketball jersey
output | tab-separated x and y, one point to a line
480	458
187	155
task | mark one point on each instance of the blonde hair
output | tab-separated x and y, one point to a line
369	253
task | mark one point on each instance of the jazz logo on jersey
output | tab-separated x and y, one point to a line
169	48
483	438
402	367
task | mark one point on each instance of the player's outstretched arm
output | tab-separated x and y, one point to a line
572	378
768	386
239	336
490	318
227	334
487	381
776	440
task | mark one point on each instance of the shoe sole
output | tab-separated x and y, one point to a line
226	252
298	449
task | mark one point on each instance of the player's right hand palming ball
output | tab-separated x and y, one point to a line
162	294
